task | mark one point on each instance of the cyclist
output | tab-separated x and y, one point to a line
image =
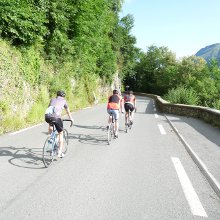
114	106
53	117
129	105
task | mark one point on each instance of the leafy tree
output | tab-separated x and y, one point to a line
155	73
22	22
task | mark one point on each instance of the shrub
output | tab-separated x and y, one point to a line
182	95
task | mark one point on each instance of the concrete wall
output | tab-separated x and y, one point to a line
209	115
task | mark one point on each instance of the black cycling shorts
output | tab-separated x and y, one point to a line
128	107
57	122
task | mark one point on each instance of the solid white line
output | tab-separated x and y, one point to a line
190	194
25	129
162	131
156	115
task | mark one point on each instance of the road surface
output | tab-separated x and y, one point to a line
145	174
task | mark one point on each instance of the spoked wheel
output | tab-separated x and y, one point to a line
48	154
126	125
110	133
126	128
65	140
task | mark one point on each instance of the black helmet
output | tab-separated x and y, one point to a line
115	91
61	93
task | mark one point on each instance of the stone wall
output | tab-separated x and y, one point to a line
209	115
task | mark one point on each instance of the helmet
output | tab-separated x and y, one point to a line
115	91
61	93
130	92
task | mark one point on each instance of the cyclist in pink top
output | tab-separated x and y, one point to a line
53	117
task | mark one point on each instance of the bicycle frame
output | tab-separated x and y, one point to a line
51	146
111	129
127	121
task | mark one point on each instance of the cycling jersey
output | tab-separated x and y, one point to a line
129	99
56	106
114	102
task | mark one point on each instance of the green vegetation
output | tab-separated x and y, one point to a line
182	95
45	46
190	80
85	48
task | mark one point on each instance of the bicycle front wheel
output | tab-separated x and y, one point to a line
48	154
65	140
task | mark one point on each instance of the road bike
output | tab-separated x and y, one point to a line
51	145
111	129
128	123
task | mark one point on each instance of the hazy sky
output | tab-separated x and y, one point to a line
184	26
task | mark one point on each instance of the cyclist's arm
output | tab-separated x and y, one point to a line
68	113
121	105
135	103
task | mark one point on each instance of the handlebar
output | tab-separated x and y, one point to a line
70	121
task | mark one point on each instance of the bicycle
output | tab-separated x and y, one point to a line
51	145
128	123
111	129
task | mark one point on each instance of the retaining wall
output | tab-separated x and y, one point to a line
209	115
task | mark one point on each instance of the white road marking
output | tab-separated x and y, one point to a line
25	129
190	194
156	115
161	128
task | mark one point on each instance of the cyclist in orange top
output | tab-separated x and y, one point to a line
114	107
129	105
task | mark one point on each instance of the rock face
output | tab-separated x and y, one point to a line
210	52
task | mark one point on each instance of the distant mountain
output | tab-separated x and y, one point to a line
210	52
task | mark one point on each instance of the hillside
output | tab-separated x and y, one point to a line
210	52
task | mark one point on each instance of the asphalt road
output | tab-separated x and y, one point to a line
143	175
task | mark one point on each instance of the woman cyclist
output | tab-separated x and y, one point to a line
53	117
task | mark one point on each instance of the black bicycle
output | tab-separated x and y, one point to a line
128	123
51	145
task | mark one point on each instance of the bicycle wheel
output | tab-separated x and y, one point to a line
48	153
126	127
65	140
109	134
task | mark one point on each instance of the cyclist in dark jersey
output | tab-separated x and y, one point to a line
53	117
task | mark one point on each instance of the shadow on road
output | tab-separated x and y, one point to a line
23	157
89	138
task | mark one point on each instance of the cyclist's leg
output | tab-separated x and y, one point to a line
126	113
110	117
50	119
131	113
60	140
59	127
116	117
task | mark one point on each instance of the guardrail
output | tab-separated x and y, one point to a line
209	115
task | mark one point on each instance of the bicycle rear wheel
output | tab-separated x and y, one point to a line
109	134
126	127
48	153
65	140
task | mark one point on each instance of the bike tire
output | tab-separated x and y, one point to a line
65	140
126	128
109	134
48	153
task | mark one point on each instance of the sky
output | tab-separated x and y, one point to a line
184	26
